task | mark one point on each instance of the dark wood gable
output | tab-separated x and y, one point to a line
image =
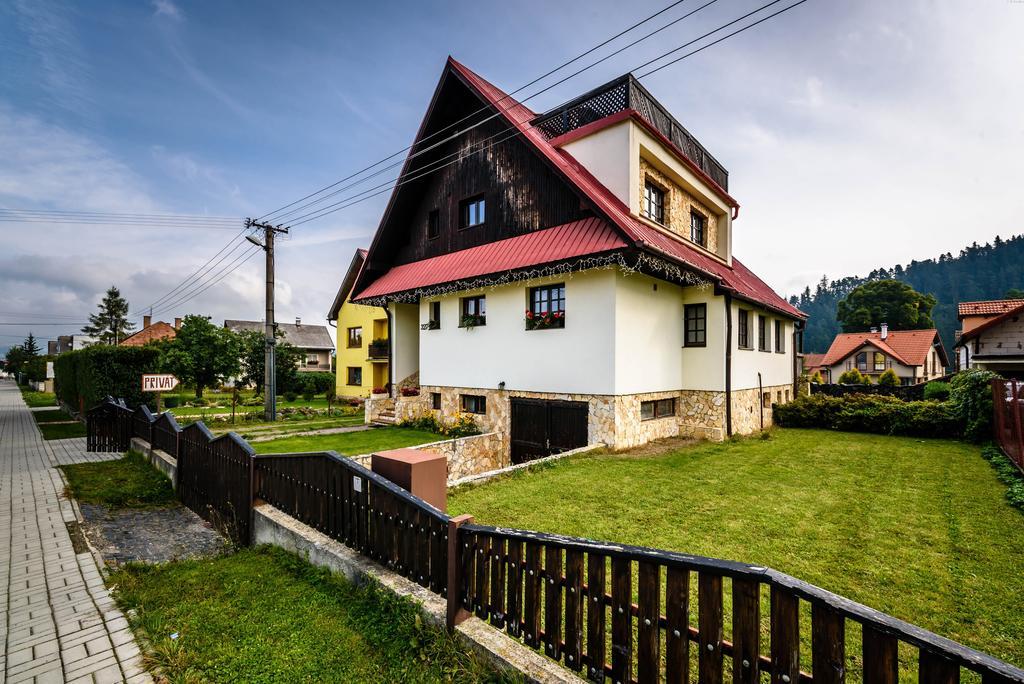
522	193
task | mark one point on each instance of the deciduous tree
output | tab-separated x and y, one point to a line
885	301
202	354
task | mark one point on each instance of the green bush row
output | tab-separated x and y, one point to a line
1008	474
83	378
870	413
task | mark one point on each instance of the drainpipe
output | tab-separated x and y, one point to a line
728	365
760	399
391	352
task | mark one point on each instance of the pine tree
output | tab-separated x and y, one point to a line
110	325
30	347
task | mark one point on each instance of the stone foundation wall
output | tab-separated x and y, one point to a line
747	406
702	414
471	455
374	404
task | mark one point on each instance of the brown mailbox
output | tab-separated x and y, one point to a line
422	473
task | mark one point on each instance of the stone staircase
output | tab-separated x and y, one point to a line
386	414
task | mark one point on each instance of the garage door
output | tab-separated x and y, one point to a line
541	428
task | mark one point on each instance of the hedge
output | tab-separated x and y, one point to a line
870	413
83	378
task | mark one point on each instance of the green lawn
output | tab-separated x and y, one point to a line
350	443
262	427
38	399
54	416
128	482
318	402
263	615
62	430
919	529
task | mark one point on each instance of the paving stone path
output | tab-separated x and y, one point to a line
60	623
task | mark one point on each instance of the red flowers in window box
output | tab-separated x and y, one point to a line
547	319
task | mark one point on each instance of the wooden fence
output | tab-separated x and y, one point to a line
1008	418
609	611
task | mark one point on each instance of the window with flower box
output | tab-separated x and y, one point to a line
547	307
657	408
474	312
473	403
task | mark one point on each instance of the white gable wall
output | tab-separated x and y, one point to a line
775	368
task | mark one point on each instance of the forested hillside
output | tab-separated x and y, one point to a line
978	272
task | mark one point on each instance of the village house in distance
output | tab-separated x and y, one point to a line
313	341
916	356
363	349
571	280
992	337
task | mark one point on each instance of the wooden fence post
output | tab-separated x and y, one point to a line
1018	431
456	612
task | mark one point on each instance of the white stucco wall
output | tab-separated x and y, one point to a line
704	367
648	334
605	154
579	358
775	368
405	337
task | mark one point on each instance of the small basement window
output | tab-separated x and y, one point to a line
658	408
766	399
696	322
474	403
654	202
474	311
435	401
472	212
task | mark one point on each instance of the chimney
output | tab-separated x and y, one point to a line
146	320
298	321
885	330
177	323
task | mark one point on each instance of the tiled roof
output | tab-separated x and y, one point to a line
993	322
568	241
909	347
302	336
992	307
151	333
813	360
735	278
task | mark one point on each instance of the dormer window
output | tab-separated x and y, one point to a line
697	228
471	212
654	203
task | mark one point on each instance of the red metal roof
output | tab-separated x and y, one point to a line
736	278
567	241
909	347
993	307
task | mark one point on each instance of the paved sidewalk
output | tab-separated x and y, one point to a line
60	623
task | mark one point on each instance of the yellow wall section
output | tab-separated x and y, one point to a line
374	324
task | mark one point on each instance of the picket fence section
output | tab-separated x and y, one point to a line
1008	418
611	612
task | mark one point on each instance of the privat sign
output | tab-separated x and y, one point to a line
158	382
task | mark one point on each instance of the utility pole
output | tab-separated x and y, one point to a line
269	376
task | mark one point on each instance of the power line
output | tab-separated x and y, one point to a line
104	215
223	273
485	108
402	179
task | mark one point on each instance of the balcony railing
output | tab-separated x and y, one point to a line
378	349
625	93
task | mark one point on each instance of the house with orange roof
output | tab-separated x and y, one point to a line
992	336
151	332
567	277
915	356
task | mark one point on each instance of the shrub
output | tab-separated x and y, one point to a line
319	381
172	401
870	413
970	397
410	391
290	396
253	401
308	394
1008	473
852	377
936	390
84	377
889	379
462	425
817	379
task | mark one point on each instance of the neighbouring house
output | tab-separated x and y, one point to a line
915	356
314	341
66	343
363	350
151	332
992	337
569	278
812	363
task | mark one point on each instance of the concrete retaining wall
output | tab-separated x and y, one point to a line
161	460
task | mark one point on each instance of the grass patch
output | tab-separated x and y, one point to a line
38	399
349	443
62	430
128	482
282	426
54	416
264	615
917	528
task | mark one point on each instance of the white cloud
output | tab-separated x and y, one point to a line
166	8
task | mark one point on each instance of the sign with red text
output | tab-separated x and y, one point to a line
158	382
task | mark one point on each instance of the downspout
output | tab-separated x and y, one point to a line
728	365
796	355
760	398
391	352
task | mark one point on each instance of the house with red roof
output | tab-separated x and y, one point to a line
567	277
992	337
151	332
915	356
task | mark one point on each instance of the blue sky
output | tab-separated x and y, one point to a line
856	134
